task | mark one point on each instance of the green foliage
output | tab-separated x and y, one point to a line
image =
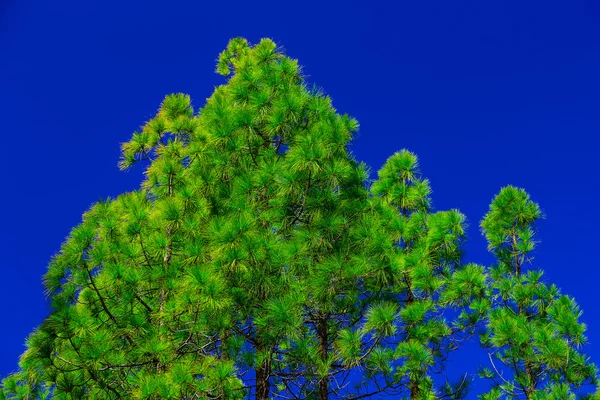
258	260
416	283
533	330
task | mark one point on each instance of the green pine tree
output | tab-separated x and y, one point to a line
258	260
533	330
202	277
414	277
137	308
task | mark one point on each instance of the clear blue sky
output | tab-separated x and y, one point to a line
487	93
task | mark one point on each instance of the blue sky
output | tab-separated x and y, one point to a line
487	93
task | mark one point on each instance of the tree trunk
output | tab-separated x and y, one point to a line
414	390
263	386
531	387
324	348
414	387
323	389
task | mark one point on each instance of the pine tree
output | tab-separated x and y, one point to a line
533	330
196	284
305	188
258	260
415	277
137	312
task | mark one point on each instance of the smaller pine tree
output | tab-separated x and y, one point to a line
422	301
533	330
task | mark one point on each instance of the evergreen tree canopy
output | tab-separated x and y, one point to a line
532	330
257	259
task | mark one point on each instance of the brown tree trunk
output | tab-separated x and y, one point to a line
414	390
410	298
324	348
323	389
531	387
263	386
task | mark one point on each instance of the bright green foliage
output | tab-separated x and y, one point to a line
533	331
302	192
414	276
138	310
230	258
256	261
